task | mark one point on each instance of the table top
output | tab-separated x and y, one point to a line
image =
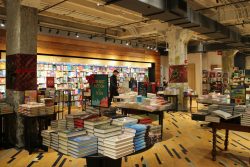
136	106
230	126
33	116
210	101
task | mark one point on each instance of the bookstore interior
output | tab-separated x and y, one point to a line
124	83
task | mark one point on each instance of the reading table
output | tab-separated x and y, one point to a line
227	127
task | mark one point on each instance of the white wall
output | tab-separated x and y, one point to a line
196	58
211	58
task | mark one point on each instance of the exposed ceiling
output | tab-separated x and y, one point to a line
94	17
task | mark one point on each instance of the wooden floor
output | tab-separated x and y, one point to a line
186	144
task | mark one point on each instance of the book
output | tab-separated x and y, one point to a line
72	133
75	155
124	121
106	128
108	134
225	115
119	139
117	156
82	140
114	145
210	118
97	121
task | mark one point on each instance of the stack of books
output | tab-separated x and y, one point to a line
154	134
212	118
124	121
226	108
239	109
54	141
6	108
54	125
79	122
118	146
104	131
47	139
32	109
90	123
213	107
82	146
62	124
64	137
139	139
145	121
245	119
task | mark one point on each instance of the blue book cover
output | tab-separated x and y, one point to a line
139	139
140	133
139	136
138	127
140	148
82	139
140	142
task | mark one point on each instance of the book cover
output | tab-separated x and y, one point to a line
97	121
108	134
118	155
124	121
116	145
72	133
119	138
138	127
82	140
106	128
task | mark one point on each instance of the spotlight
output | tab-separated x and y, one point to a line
41	29
77	35
90	37
121	42
68	33
127	43
50	30
148	47
57	32
2	24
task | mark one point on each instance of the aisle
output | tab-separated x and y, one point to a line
185	144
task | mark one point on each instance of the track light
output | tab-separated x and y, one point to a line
41	29
68	33
50	30
90	37
57	32
128	43
148	47
2	24
77	35
121	42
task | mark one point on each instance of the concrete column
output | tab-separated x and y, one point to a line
21	57
228	61
177	40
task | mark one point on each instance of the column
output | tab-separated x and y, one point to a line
21	56
177	40
228	61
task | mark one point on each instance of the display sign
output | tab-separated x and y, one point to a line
178	74
99	91
238	94
50	82
142	89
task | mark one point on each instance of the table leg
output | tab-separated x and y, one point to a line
190	103
176	109
214	144
226	139
161	115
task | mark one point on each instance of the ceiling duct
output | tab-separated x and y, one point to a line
221	32
205	25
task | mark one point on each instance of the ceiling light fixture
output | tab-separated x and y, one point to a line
2	24
148	47
57	32
77	35
68	33
41	29
128	43
50	30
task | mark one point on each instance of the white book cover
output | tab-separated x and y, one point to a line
106	128
210	118
115	145
115	149
120	138
120	151
118	155
108	134
124	121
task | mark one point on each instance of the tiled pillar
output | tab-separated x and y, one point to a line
21	58
177	40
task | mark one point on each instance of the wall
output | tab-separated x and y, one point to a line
211	58
53	45
196	59
164	68
247	62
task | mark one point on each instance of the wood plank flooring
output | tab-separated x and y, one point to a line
185	144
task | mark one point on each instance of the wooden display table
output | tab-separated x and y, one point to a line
227	127
5	128
210	102
33	125
174	99
99	160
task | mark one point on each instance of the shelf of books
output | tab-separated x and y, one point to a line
73	76
214	81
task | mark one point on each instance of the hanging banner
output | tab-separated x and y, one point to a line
50	82
142	89
178	74
99	91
